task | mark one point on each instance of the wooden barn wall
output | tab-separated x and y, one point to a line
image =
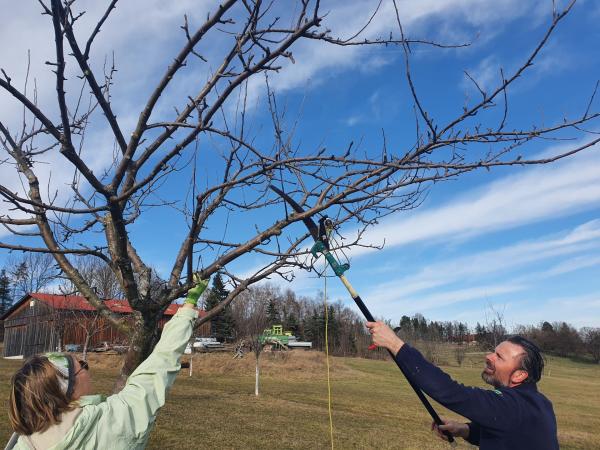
30	330
203	330
102	331
38	328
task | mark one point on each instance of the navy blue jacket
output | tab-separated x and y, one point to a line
504	418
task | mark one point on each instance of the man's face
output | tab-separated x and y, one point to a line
502	366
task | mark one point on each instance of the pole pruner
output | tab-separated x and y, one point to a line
321	246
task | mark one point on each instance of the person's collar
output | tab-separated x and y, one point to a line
526	386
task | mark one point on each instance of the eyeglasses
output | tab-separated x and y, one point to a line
84	366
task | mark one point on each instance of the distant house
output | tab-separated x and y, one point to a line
41	323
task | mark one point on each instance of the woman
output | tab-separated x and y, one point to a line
49	405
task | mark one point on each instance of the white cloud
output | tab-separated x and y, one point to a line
391	305
527	197
577	310
573	264
132	42
486	75
353	120
583	239
551	61
464	285
315	61
538	194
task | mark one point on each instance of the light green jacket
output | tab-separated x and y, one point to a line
124	420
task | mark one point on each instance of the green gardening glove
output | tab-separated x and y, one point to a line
194	293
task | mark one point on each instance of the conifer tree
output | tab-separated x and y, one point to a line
291	323
5	300
273	316
222	326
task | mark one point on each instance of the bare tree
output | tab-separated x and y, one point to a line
97	274
89	323
31	272
461	338
430	346
460	351
354	185
591	339
495	326
71	319
59	325
252	319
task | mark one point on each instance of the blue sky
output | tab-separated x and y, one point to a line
525	240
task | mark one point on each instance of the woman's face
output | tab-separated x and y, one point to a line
83	381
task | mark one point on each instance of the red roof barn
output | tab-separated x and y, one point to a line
40	323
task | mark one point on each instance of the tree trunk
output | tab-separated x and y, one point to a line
145	337
257	375
86	343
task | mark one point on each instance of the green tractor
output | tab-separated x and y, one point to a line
282	340
276	337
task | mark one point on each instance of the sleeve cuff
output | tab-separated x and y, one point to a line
474	432
405	348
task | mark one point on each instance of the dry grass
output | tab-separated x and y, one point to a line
372	406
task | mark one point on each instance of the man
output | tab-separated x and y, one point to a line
512	416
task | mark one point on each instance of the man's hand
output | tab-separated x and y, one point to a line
456	429
384	336
194	293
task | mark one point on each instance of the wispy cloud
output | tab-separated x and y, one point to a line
527	197
578	310
533	195
153	31
486	75
583	239
435	285
573	264
393	306
316	61
354	119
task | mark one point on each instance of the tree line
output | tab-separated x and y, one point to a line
260	307
306	317
562	339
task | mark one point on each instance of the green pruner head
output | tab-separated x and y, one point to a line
319	247
341	268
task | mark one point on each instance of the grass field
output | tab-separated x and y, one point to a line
372	406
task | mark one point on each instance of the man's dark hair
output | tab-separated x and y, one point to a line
532	361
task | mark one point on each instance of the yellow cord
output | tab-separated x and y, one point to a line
327	356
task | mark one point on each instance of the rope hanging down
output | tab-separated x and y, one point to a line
327	355
321	246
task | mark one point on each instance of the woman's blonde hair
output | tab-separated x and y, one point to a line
36	399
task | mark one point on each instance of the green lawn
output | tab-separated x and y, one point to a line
373	407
